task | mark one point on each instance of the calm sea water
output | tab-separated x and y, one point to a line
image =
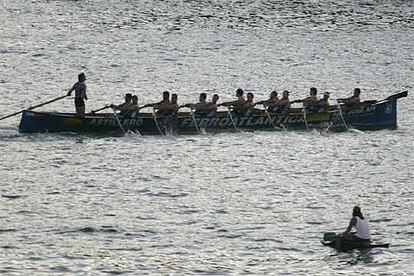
225	204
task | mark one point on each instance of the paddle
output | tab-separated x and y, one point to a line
33	107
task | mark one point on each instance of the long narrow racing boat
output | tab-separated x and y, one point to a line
369	115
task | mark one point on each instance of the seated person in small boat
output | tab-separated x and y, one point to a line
272	104
324	103
310	103
124	107
352	101
238	104
134	108
361	226
284	102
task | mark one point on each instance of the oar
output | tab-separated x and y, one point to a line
231	118
100	109
33	107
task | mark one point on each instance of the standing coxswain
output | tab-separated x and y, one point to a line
80	94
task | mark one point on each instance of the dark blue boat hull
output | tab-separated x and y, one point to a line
370	115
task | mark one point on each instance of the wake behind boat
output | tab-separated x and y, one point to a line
369	115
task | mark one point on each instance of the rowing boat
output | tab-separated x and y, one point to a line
339	243
369	115
183	123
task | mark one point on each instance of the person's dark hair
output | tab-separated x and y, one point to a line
81	77
135	97
313	91
216	95
357	91
239	92
356	212
166	95
203	96
250	95
273	94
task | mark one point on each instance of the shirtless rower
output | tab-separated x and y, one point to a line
324	103
134	108
352	101
272	103
202	107
310	103
164	102
212	106
284	102
238	104
125	106
249	105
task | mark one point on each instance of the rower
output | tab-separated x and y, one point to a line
310	103
168	108
212	106
284	102
272	103
202	107
249	105
80	94
124	108
324	103
134	108
360	224
238	104
352	101
161	104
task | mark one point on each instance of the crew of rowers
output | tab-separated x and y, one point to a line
241	106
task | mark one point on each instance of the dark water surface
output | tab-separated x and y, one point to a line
234	203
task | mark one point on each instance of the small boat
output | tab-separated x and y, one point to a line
370	115
339	243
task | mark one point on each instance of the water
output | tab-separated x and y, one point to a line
234	203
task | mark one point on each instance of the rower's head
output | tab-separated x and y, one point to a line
174	98
357	92
166	96
203	97
313	91
273	95
215	98
134	99
81	77
356	212
128	97
326	96
250	97
285	94
239	92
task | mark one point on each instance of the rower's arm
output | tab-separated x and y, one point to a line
352	223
